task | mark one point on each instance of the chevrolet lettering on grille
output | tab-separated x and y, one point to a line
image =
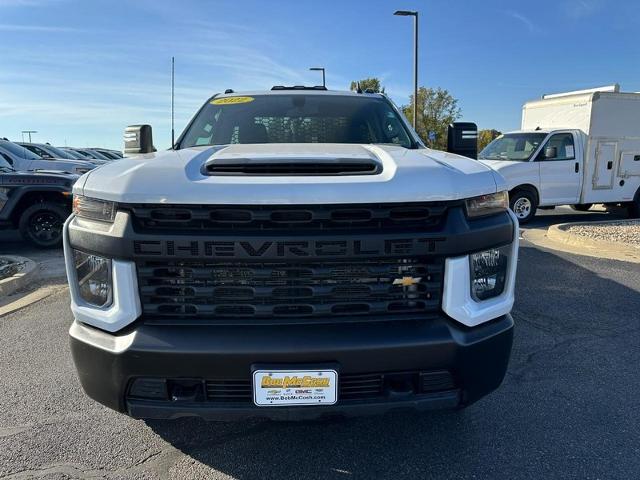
284	249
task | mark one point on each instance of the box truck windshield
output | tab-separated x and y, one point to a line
517	147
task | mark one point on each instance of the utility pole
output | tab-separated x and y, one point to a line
172	101
414	14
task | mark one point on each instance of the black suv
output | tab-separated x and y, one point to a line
37	203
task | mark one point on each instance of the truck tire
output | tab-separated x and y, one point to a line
582	207
634	207
41	224
523	204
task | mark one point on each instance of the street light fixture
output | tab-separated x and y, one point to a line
29	132
414	14
320	69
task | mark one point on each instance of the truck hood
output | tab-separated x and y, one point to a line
177	176
500	164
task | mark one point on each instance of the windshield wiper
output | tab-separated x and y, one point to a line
7	169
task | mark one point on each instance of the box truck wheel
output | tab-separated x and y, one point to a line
583	207
523	202
634	207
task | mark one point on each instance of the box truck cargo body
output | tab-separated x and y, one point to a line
578	148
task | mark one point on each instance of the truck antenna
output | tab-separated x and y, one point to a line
172	101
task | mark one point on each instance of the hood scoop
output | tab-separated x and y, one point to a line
283	167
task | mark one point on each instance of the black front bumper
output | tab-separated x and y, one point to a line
476	358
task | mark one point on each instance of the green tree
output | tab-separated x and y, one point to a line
485	137
436	110
372	83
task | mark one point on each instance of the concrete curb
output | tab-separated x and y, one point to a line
30	299
558	238
21	279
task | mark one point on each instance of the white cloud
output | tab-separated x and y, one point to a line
28	3
5	27
532	27
582	8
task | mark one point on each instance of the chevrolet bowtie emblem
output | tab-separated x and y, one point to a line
407	281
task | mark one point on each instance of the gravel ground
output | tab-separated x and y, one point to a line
8	268
624	231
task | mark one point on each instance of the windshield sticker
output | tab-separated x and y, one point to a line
231	100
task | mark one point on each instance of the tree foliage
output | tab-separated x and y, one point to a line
372	83
437	108
485	137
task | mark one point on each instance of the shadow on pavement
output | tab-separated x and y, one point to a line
568	406
546	218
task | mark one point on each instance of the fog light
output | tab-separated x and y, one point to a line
94	278
489	272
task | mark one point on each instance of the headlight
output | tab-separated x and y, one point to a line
94	278
487	204
94	208
489	272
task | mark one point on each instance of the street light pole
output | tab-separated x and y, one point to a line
173	132
29	132
320	69
414	14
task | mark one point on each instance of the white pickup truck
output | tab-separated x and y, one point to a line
576	148
297	253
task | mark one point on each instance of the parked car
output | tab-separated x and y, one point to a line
48	152
575	148
110	154
75	155
91	155
299	253
22	159
36	203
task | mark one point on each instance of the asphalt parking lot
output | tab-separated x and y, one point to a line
568	406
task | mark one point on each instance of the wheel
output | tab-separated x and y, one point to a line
524	204
634	207
41	224
583	207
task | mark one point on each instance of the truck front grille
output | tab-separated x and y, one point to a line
378	288
287	218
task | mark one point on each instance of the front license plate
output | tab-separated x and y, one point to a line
272	388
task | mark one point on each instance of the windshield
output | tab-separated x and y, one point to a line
58	153
97	155
516	147
73	154
297	118
19	151
4	165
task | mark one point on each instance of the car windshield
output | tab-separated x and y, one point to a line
4	165
297	118
73	154
108	154
517	147
98	155
57	152
19	151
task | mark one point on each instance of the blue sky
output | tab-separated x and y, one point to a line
79	71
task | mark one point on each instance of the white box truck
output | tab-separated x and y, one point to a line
576	148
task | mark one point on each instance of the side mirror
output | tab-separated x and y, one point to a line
138	139
550	152
462	139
